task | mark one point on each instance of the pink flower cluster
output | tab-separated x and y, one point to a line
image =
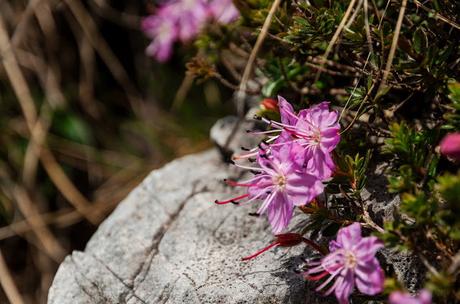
289	169
292	164
182	20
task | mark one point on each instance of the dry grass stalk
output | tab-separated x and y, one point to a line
93	35
7	282
25	99
39	228
336	36
241	94
394	44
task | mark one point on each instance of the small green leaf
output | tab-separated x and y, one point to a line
420	40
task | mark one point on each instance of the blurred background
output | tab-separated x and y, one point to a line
85	116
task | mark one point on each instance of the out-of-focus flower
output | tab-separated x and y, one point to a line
223	11
351	262
182	20
281	183
450	146
163	33
398	297
189	16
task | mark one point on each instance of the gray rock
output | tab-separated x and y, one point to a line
382	205
169	243
229	135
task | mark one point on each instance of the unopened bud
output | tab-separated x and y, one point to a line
289	239
270	104
450	146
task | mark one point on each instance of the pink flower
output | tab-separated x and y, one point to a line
223	11
351	262
450	146
182	20
281	183
317	130
175	20
189	16
163	33
398	297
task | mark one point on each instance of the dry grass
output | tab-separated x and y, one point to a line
62	57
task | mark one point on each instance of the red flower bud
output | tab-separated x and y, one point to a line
289	239
270	104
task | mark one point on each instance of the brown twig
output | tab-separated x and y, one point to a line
228	64
37	139
7	282
66	187
39	228
182	92
437	15
354	15
369	222
26	102
16	77
367	27
100	45
325	70
241	94
394	44
336	35
87	78
60	219
48	79
105	10
21	28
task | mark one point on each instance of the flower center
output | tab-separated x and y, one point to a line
280	181
350	259
317	136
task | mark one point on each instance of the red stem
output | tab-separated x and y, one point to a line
231	200
260	251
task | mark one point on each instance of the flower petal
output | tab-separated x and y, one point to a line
349	236
279	213
287	113
367	248
345	288
302	188
369	277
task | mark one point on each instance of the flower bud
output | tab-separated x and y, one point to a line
270	104
289	239
450	146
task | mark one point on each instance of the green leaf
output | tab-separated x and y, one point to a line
419	40
70	126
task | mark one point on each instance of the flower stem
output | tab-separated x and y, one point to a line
315	246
